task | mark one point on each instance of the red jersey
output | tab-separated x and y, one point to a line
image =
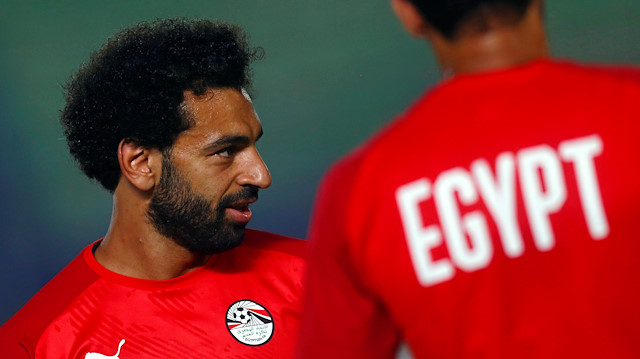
496	218
244	303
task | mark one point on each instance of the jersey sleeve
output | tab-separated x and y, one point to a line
19	336
342	319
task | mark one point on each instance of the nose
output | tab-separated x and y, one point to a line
255	172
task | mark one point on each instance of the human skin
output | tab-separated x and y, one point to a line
502	44
217	156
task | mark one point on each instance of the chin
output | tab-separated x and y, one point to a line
222	241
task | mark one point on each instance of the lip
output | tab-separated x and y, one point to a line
240	211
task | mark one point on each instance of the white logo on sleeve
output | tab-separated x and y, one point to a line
102	356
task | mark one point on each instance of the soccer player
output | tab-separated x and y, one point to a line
496	217
161	116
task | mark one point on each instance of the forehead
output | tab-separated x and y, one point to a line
217	113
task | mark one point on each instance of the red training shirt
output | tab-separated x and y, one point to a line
244	303
496	218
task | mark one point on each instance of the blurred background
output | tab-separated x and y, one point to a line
334	72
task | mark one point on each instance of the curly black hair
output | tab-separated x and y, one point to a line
132	88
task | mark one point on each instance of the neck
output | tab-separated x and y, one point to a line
132	247
499	45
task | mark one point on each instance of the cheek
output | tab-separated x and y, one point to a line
214	190
211	181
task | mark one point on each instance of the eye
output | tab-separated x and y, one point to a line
226	152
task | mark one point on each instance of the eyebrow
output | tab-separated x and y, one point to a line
231	140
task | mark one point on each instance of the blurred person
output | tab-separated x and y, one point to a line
495	218
162	118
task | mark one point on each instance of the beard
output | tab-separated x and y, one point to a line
178	212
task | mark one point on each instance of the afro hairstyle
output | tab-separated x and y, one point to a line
132	88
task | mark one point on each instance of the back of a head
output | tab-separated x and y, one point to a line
449	16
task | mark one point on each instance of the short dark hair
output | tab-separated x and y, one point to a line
132	88
448	16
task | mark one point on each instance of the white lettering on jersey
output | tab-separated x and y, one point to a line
534	164
499	197
421	238
449	183
91	355
544	192
581	152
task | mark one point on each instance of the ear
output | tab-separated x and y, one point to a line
410	18
139	165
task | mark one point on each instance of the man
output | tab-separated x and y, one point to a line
161	117
496	218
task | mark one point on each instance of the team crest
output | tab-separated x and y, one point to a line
249	322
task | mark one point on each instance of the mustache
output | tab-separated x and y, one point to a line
248	192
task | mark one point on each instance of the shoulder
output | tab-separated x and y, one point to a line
616	71
599	74
271	242
24	328
617	86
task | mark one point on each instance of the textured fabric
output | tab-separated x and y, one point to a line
496	218
87	310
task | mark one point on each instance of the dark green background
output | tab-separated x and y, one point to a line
335	71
